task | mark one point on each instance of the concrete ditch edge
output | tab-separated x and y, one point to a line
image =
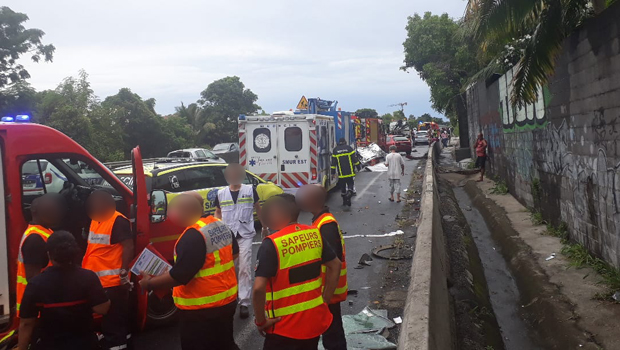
427	318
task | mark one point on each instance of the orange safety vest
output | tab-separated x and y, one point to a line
215	284
102	257
340	294
299	303
22	282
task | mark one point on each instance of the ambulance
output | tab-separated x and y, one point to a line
289	149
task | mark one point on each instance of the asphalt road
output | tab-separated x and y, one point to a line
366	216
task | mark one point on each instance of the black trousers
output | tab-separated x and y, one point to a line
204	330
346	183
278	342
115	324
333	338
76	342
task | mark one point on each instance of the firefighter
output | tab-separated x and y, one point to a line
109	253
235	205
63	298
203	277
312	198
289	297
47	213
344	161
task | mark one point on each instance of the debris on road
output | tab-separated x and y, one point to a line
616	296
369	153
552	256
365	260
398	252
378	168
398	320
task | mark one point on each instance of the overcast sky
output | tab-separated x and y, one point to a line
345	50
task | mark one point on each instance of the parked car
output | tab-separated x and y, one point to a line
422	138
205	178
228	151
53	179
402	143
200	154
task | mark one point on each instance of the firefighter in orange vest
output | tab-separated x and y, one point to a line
47	213
311	198
289	296
203	277
109	253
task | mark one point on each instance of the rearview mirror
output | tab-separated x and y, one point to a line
159	206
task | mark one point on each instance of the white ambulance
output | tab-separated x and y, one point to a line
288	149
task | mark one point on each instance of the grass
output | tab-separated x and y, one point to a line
471	165
580	257
536	191
500	188
537	218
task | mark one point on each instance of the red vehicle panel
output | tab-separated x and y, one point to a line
402	144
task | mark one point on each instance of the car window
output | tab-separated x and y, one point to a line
179	154
401	139
220	147
200	154
262	140
83	170
195	178
209	154
293	139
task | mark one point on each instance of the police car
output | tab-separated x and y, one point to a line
205	178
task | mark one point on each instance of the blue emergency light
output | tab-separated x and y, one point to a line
8	119
22	118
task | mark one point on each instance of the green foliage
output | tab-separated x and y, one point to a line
536	189
471	165
442	58
500	188
366	113
387	118
16	41
537	218
545	24
560	232
399	115
579	257
221	103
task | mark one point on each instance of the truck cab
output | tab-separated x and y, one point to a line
32	159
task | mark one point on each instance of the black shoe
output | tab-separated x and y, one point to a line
244	312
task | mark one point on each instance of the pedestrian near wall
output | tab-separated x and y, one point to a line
203	277
311	198
109	253
289	297
481	155
396	169
444	138
235	205
61	300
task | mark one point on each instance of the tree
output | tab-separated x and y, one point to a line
16	41
222	102
399	115
387	118
367	113
539	26
19	98
442	59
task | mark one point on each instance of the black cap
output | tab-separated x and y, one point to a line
342	140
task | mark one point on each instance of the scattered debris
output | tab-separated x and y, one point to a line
369	153
405	190
352	292
449	218
398	320
616	296
552	256
378	168
379	202
366	330
364	288
365	260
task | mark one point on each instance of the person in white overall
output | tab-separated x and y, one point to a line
235	206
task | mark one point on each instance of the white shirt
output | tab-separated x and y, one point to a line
394	161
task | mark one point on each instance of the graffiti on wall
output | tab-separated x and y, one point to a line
529	117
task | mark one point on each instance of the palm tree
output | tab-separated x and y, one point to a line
545	24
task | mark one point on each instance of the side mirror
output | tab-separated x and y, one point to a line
159	206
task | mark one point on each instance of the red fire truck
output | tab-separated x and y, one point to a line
28	152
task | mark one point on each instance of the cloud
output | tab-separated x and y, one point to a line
345	50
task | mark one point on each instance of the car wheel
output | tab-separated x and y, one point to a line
161	312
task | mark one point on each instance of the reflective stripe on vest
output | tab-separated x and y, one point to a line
102	257
349	156
239	216
340	294
22	282
215	284
298	248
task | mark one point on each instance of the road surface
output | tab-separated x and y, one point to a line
366	216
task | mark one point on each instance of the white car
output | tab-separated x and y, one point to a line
421	137
201	154
31	177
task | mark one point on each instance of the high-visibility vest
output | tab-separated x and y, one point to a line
239	216
291	295
22	282
340	294
215	284
102	257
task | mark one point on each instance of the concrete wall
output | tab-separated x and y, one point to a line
562	154
427	321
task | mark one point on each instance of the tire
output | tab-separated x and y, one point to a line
161	312
408	153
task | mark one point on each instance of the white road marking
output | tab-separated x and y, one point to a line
362	192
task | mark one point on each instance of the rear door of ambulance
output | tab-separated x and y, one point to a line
261	148
294	152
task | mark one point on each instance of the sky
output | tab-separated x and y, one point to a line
343	50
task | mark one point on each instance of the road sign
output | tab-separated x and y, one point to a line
303	103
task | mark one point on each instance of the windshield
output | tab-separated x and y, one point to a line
401	139
209	154
221	147
179	154
30	167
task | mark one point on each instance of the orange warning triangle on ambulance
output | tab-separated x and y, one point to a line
303	103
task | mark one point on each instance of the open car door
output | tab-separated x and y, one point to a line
140	225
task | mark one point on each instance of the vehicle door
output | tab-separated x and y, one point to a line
140	223
262	150
294	151
5	307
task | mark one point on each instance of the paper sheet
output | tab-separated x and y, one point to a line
150	263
